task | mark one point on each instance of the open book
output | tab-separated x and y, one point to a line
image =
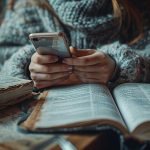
14	90
127	109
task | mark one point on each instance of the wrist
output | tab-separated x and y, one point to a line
115	73
27	72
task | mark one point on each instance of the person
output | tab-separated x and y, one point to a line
111	40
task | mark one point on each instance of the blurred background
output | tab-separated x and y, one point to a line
2	8
2	4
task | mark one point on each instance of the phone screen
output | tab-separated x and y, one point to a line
55	45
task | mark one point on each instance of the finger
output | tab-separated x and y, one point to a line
42	77
44	84
49	68
43	59
88	75
93	81
93	59
80	52
73	51
92	68
89	80
103	78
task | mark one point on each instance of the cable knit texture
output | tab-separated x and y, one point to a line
87	23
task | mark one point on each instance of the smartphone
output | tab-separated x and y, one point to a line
51	43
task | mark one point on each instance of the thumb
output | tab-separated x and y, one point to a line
73	51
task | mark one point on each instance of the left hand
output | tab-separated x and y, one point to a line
91	66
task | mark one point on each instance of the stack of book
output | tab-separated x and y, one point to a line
14	90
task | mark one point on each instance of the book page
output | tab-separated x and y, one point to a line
133	100
14	90
77	103
8	81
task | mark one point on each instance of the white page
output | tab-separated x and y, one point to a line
77	103
133	100
13	90
7	81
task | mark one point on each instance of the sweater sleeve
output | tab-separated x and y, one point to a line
24	19
19	62
6	52
18	23
132	66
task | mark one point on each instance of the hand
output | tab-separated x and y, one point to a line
91	66
46	71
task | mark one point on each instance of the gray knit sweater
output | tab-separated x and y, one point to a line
87	23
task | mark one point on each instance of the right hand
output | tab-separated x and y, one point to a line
45	70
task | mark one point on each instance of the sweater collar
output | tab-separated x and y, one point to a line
92	18
82	13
